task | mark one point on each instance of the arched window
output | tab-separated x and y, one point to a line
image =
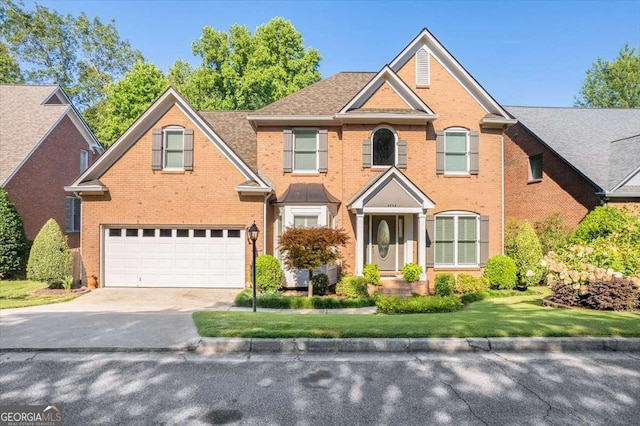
384	147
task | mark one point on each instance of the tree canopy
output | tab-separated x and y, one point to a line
80	54
9	68
614	84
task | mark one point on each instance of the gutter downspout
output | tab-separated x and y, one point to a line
502	191
264	223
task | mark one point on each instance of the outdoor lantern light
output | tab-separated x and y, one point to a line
252	236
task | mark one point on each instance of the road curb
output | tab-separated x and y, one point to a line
425	345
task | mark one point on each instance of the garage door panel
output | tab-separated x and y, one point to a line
204	258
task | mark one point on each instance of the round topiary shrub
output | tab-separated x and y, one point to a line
269	275
371	273
466	283
13	243
445	284
352	287
411	272
320	284
501	272
50	260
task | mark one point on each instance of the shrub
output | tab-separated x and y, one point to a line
50	260
466	283
13	243
565	294
278	301
320	284
269	275
417	305
411	272
603	222
619	294
501	272
352	287
527	255
552	232
445	284
492	294
371	273
67	282
511	229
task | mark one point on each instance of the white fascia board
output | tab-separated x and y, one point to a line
452	66
622	195
626	179
253	189
497	122
84	130
60	94
393	210
93	189
299	120
372	117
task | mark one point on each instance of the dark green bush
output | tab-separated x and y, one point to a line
552	232
466	283
603	222
445	284
50	259
320	284
371	273
13	243
501	272
269	275
277	301
352	287
527	255
417	305
411	272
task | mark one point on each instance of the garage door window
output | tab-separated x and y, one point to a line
233	233
132	233
148	232
165	232
115	232
199	233
216	233
182	233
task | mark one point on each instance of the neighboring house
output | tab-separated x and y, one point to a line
44	145
570	160
408	160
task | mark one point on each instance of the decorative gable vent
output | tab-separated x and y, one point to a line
423	77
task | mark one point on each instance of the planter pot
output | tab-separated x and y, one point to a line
92	282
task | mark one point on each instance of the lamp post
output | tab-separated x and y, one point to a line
252	236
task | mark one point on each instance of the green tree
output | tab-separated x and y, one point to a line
9	68
13	242
527	255
126	100
80	54
240	70
310	248
50	260
614	84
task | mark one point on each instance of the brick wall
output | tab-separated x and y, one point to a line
37	189
561	190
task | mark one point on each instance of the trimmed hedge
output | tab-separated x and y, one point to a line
466	283
417	304
501	271
352	287
277	301
493	294
50	260
445	284
269	275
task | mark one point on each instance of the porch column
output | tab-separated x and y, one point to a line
422	244
359	242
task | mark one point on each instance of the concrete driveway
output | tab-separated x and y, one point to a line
113	318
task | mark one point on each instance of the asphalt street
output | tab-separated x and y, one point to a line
586	388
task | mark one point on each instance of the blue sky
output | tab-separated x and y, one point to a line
522	52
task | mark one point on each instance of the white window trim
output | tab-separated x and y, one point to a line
467	149
84	160
75	227
164	147
290	212
456	215
395	147
302	171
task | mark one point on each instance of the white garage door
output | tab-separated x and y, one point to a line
170	257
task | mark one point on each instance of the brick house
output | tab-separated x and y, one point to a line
408	160
570	160
44	145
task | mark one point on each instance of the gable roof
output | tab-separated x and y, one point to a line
28	113
601	143
167	100
235	130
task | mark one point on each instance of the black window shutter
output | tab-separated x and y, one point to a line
473	152
287	145
484	240
156	150
431	252
188	149
402	154
366	153
323	151
440	152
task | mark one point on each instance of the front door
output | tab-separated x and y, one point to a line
383	242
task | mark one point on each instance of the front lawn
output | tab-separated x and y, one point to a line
504	317
16	294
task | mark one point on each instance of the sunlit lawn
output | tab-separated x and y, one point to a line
15	294
506	317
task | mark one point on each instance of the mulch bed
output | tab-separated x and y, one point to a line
58	292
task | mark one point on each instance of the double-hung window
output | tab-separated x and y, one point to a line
72	216
456	151
305	150
306	221
457	240
173	147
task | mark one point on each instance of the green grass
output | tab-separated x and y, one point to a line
502	317
15	294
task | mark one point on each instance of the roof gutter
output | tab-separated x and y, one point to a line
87	189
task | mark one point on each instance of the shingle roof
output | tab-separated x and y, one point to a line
235	131
24	121
601	143
325	97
